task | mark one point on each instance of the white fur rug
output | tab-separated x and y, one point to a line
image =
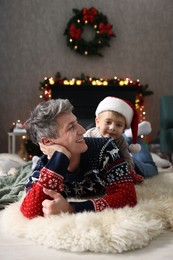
110	231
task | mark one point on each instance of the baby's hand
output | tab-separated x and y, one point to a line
50	149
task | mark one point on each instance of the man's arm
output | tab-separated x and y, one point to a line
119	195
119	184
120	190
50	177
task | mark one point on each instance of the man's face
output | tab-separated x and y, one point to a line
70	134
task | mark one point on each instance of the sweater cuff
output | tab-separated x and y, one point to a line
58	163
82	206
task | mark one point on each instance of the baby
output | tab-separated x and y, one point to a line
113	117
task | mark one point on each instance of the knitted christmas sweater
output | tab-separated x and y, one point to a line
123	146
121	142
102	179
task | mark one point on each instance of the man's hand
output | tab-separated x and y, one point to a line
50	149
57	205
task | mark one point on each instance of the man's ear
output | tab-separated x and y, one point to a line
46	141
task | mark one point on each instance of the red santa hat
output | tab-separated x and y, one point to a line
128	111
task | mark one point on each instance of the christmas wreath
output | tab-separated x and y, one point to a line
76	25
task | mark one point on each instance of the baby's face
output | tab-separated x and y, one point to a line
110	124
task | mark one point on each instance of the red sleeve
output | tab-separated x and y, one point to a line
32	204
50	177
118	195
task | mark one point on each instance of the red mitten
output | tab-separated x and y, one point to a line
136	177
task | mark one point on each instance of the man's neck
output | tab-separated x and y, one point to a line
74	163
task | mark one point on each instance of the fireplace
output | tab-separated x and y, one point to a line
86	98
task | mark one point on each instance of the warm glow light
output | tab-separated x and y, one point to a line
51	81
72	82
126	82
66	82
98	82
78	82
121	83
105	83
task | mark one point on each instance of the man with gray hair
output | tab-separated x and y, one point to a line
73	166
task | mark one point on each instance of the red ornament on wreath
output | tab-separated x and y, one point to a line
98	22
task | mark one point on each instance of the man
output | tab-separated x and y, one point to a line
73	166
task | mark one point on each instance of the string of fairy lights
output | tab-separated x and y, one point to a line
49	82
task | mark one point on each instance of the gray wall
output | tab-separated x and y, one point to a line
32	45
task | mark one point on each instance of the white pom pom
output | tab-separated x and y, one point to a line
134	148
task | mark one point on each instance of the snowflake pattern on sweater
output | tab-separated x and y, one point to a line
102	179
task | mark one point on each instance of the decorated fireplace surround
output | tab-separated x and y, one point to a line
86	92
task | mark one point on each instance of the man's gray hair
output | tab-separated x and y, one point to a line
42	121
